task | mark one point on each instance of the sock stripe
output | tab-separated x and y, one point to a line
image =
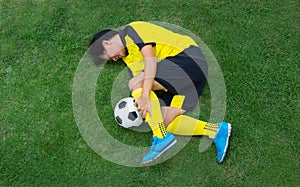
214	130
211	127
162	129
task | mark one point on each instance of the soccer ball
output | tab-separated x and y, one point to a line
126	114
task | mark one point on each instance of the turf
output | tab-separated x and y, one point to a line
257	47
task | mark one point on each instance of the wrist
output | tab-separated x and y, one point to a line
145	94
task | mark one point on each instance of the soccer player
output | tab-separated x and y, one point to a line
165	65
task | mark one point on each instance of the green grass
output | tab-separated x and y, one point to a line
256	44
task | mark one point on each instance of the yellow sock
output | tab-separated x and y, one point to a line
188	126
156	122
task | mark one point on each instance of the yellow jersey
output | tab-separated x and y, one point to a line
165	43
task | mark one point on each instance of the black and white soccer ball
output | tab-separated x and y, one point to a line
126	114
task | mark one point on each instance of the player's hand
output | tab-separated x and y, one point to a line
143	106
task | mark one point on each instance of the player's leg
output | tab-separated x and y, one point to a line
162	140
138	81
156	121
170	113
188	81
180	124
188	126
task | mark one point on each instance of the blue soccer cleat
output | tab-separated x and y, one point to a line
158	147
221	140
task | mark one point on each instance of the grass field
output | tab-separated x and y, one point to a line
257	47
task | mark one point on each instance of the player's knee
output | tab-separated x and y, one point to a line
130	85
134	84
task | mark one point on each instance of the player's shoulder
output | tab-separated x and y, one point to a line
144	26
141	23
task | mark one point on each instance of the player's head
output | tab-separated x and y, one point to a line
103	48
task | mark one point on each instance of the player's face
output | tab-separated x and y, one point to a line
111	52
112	56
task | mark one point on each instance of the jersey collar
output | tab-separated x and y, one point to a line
122	37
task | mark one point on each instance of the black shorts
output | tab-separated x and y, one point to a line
184	74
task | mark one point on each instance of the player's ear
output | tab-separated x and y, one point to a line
106	43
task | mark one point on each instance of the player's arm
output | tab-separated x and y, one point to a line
149	74
149	69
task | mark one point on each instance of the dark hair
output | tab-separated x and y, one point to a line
95	47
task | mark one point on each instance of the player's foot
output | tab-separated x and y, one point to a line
159	146
222	140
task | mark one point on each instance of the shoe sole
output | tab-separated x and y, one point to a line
227	143
168	147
